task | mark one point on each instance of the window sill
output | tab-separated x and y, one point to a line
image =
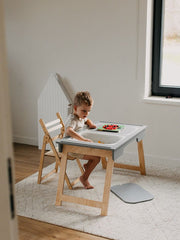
162	100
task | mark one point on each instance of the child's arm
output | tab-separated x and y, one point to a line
70	132
90	124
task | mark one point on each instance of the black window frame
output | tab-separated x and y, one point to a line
158	90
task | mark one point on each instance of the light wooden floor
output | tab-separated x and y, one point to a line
27	163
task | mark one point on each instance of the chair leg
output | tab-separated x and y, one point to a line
56	167
58	161
80	166
75	181
41	161
82	171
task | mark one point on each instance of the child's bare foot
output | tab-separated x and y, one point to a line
86	183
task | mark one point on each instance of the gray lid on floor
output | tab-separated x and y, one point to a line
131	193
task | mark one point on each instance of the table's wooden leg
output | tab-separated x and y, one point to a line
107	186
141	157
62	173
104	162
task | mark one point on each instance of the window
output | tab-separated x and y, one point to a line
166	48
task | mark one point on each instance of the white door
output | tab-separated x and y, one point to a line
8	219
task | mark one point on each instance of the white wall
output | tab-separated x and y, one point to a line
95	45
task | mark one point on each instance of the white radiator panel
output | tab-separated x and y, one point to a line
53	98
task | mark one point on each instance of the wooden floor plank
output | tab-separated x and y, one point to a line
26	163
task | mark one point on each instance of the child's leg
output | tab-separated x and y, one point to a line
86	165
89	166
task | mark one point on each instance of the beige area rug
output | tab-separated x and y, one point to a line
158	219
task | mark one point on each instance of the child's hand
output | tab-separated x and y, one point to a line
92	126
87	140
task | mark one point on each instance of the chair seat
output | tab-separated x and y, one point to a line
51	154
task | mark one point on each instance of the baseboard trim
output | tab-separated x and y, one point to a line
130	156
25	140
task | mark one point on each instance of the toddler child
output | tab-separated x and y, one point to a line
82	105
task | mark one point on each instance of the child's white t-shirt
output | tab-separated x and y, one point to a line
74	122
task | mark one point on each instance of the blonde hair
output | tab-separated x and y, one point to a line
83	98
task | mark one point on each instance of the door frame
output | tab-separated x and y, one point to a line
8	217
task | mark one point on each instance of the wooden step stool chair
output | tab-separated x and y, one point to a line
48	129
